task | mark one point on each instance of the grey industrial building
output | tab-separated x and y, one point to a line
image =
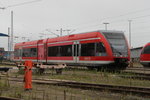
135	54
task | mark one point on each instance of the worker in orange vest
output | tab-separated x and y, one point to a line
28	75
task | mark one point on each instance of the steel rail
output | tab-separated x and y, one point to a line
142	91
138	77
8	98
138	68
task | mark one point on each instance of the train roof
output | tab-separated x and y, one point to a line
110	31
74	37
103	31
27	43
71	37
83	35
147	44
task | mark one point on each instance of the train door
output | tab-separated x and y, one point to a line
40	51
45	51
20	54
76	51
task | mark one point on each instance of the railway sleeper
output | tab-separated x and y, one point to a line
142	91
126	90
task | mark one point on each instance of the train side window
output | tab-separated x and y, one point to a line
100	49
66	50
93	49
16	53
88	49
53	51
33	52
29	52
146	50
26	52
58	51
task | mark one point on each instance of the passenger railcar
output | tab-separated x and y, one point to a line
92	49
145	55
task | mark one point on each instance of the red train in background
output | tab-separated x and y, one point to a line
92	49
145	55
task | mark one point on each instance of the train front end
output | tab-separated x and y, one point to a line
119	47
145	56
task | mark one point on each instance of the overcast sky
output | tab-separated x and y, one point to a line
32	19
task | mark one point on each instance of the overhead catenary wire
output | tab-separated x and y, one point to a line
117	21
1	6
20	4
146	21
1	3
141	32
121	20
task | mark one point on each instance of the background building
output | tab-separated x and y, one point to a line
135	54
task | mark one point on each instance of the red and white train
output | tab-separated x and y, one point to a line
145	55
92	49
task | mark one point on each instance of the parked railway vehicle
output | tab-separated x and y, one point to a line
1	54
92	49
145	55
2	51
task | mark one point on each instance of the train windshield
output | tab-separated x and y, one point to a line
118	43
146	50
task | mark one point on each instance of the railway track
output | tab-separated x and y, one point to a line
138	68
142	91
8	98
138	77
138	71
9	63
